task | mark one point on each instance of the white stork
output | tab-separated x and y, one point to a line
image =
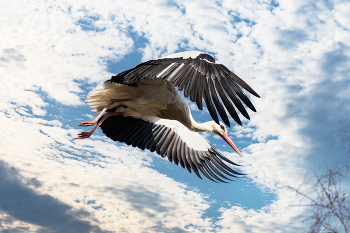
142	108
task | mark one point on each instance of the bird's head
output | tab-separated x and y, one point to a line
221	130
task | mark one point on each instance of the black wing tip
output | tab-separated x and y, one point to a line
250	90
214	164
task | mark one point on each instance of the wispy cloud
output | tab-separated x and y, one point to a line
294	54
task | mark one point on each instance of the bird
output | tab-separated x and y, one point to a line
144	107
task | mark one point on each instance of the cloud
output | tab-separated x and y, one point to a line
336	61
294	54
98	182
299	80
240	220
25	205
57	50
290	38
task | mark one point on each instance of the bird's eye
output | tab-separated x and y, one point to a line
222	127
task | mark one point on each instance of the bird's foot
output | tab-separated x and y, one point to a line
87	123
84	135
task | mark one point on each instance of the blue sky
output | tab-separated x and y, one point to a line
295	54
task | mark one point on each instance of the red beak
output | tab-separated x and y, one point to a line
230	142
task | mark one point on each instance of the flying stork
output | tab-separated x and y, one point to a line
142	108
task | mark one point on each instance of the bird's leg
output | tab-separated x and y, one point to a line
90	123
84	135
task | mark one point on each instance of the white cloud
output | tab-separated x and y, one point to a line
50	52
302	71
108	184
296	56
272	217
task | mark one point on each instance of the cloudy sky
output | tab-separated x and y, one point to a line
295	54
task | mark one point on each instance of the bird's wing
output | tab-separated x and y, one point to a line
172	139
200	77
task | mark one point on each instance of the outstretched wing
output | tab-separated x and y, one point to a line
172	139
200	77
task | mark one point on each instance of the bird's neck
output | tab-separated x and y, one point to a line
199	127
202	127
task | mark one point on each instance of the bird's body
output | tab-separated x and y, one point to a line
154	98
144	109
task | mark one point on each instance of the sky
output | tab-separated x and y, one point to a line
294	54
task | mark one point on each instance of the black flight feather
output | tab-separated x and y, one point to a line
192	75
217	102
166	142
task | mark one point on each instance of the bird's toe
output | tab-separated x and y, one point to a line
87	123
83	135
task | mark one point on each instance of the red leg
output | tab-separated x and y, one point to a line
84	135
90	123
